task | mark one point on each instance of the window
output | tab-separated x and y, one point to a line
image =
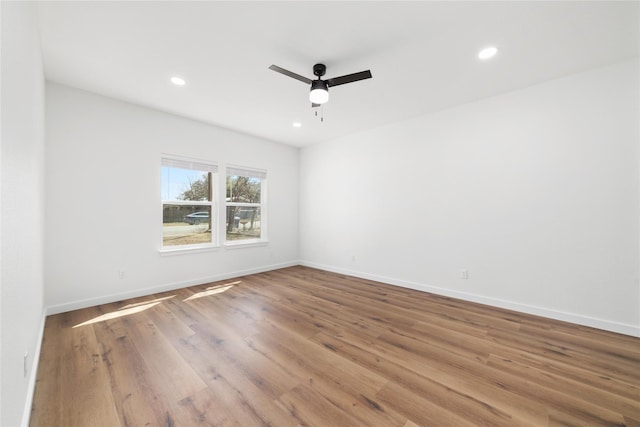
188	203
246	216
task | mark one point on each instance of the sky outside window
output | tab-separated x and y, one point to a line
176	181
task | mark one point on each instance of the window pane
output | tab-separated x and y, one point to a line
186	225
243	189
185	184
243	223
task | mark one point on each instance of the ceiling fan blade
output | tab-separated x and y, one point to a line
290	74
349	78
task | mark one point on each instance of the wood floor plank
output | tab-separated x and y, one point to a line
243	398
472	346
172	327
420	409
450	388
603	361
168	371
137	401
304	347
468	366
260	370
89	385
203	408
630	422
594	395
48	413
316	363
349	391
313	409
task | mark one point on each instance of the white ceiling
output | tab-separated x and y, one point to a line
422	55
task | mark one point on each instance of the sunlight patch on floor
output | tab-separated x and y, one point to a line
125	311
145	305
213	290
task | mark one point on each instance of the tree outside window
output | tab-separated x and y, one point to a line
245	220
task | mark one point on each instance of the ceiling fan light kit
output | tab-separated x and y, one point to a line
319	93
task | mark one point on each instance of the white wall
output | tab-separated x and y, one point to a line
103	212
535	192
21	209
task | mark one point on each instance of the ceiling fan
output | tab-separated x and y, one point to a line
319	93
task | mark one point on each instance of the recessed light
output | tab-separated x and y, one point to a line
178	81
487	52
297	124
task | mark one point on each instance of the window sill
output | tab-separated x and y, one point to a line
187	250
246	244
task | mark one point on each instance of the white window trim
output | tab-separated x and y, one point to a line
200	165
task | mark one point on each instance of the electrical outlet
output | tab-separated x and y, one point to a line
464	274
25	360
120	275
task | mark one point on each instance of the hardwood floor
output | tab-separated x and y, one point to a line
299	346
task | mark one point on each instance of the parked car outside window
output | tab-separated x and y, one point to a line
196	218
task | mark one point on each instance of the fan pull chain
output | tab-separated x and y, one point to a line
321	108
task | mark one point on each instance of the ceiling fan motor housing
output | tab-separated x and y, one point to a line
319	70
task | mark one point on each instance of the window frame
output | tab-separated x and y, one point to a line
236	170
213	171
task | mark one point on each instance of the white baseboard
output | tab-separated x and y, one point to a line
607	325
106	299
33	374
